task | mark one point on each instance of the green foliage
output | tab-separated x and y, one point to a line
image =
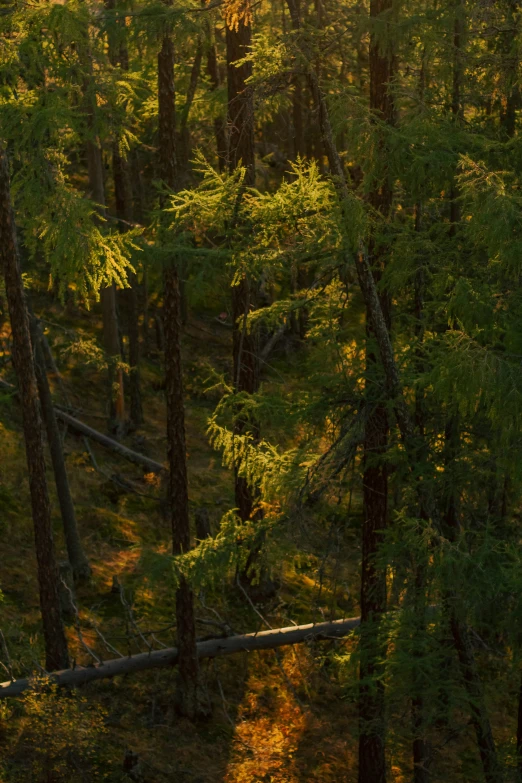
59	736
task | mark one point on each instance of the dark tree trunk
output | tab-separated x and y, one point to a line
75	551
422	755
178	484
395	392
511	68
240	102
459	630
297	117
372	730
123	198
111	338
56	654
119	56
478	710
220	126
519	732
185	147
241	152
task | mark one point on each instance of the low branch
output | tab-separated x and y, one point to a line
211	648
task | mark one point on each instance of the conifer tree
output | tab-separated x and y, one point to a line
241	152
178	482
56	654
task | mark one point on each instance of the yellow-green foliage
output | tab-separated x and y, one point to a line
54	736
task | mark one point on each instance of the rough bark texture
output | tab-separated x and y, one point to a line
75	551
178	485
54	636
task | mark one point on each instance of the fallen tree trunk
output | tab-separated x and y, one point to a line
109	443
211	648
112	445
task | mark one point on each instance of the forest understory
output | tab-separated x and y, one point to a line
260	391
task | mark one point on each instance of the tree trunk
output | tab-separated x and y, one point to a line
241	152
123	198
210	648
512	57
372	762
75	551
422	755
111	339
178	483
220	126
150	465
56	654
394	388
519	731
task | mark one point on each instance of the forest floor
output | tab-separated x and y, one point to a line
284	717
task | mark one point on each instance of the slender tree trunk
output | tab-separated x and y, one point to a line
372	762
519	732
459	630
421	747
178	483
56	654
111	338
511	68
119	56
241	152
75	551
123	197
220	126
185	146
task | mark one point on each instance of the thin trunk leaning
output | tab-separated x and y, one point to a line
77	558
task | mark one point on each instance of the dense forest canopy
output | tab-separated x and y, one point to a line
261	390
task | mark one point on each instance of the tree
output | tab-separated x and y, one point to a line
56	655
178	482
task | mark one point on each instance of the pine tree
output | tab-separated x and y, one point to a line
56	655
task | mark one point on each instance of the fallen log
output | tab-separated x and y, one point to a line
211	648
108	443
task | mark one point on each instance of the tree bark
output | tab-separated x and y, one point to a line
178	484
372	729
108	443
81	569
519	731
123	198
395	393
212	648
55	642
220	126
